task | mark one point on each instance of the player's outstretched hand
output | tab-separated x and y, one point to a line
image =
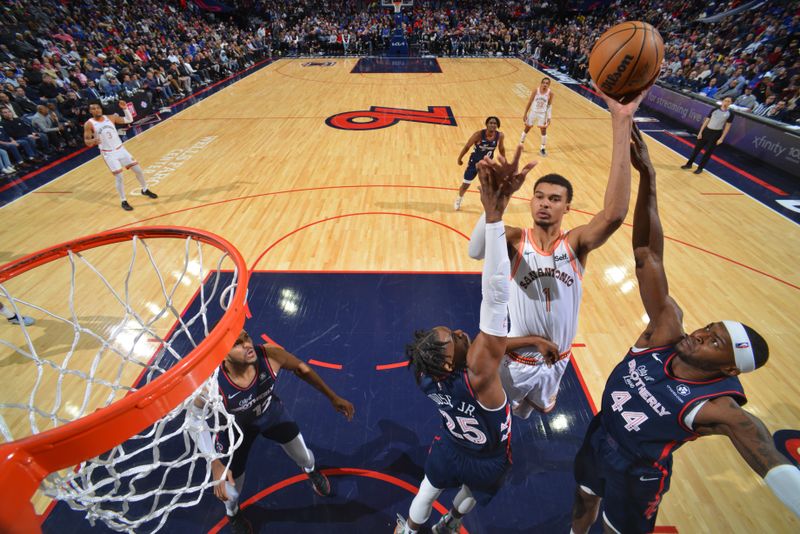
499	180
344	407
123	105
619	109
640	157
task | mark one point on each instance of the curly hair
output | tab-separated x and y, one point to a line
426	355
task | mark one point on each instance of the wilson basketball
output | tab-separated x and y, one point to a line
626	59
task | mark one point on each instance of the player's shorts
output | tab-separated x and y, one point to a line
472	170
526	376
631	489
118	159
449	466
274	424
536	119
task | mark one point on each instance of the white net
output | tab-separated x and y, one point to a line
108	322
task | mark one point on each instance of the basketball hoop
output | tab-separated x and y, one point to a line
398	6
167	268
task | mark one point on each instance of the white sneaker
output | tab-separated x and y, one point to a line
27	321
8	170
401	525
457	203
447	525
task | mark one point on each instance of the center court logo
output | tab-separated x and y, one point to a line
377	117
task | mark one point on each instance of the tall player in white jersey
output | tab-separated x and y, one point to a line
539	112
547	265
101	131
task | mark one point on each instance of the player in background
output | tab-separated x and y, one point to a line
539	112
670	388
484	143
101	131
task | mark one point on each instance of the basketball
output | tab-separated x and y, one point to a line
626	59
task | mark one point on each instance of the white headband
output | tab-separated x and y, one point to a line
742	348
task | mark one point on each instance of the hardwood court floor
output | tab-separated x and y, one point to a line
257	164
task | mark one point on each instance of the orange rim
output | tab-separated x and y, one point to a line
24	463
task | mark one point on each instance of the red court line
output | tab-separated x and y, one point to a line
328	219
271	341
387	366
578	345
42	169
733	167
340	471
583	384
325	364
665	530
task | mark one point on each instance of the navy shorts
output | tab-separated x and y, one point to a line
274	424
449	466
472	170
631	489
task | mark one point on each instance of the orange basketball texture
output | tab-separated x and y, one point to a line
626	59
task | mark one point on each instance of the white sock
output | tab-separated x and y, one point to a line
302	455
421	506
544	140
140	176
464	502
522	138
8	313
120	186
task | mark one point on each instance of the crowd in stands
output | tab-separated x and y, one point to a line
57	56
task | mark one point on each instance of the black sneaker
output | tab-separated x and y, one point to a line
126	206
687	166
148	193
240	524
320	483
699	170
543	152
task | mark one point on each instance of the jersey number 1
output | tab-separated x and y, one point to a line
548	298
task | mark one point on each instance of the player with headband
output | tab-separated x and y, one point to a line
670	388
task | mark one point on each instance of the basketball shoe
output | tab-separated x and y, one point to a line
447	525
457	203
320	483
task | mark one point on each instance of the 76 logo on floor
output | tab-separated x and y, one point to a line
377	117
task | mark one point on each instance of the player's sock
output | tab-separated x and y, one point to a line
137	170
522	138
544	141
463	503
120	186
297	451
421	506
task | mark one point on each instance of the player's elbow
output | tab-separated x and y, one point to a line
475	252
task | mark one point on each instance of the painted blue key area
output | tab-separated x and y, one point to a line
385	65
359	321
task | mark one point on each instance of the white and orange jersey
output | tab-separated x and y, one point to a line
106	131
546	293
540	101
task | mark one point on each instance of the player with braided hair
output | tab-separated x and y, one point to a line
462	378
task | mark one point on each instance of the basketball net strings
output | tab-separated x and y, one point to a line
134	486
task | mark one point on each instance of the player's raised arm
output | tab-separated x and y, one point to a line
282	359
648	251
618	191
499	180
127	117
754	443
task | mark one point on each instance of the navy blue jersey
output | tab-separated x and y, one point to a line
469	425
485	147
249	403
644	405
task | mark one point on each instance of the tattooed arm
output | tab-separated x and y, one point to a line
747	433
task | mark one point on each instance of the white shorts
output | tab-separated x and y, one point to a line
117	159
536	382
536	119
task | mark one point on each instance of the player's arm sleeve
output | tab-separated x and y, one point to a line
477	242
198	428
128	118
494	282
